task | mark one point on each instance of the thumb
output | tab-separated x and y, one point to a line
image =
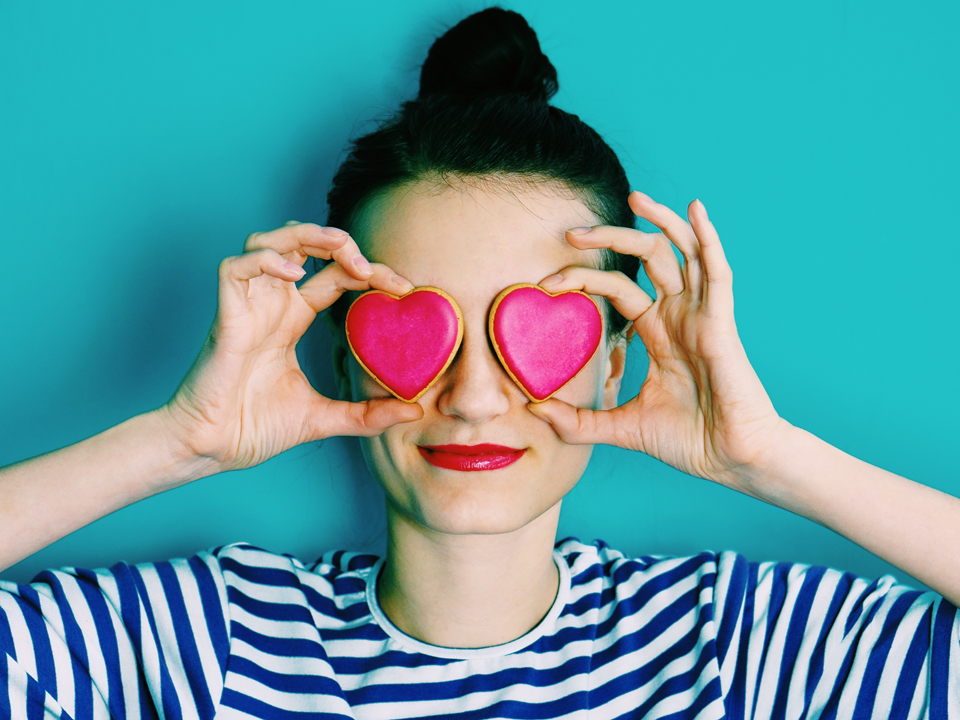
576	426
382	413
367	419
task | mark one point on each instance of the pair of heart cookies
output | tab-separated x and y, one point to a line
543	339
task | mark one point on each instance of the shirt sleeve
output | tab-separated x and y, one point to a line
801	641
127	642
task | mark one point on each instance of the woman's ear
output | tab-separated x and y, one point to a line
341	357
616	365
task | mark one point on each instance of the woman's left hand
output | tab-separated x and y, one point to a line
702	408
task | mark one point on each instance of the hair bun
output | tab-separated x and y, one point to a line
493	51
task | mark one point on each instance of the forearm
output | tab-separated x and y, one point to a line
912	526
47	497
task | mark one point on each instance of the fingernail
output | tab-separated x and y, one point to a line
579	230
402	282
645	198
294	268
334	232
362	265
552	280
704	208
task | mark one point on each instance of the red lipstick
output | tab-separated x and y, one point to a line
467	458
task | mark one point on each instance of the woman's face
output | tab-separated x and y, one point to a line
472	243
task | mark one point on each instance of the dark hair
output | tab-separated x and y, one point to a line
483	115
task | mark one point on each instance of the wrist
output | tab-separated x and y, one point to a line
767	475
794	472
185	464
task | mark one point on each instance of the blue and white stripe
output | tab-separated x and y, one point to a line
239	632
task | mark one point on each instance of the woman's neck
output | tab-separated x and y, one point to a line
468	591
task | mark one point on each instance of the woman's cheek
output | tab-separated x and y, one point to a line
585	390
362	386
380	452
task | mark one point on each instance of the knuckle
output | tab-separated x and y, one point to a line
305	231
652	246
225	265
342	246
581	420
721	274
261	254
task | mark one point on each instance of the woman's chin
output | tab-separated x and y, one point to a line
450	500
483	506
473	520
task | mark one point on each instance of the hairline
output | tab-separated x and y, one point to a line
361	226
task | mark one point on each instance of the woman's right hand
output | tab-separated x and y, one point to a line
245	399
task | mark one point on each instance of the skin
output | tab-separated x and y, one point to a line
445	524
469	559
473	244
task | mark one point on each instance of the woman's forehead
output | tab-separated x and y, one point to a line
465	233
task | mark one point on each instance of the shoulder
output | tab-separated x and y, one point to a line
259	581
263	566
124	584
635	601
221	575
727	571
598	562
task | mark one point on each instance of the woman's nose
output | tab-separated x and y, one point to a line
475	388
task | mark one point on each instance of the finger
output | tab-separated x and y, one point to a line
692	268
577	426
653	249
257	263
673	226
718	276
338	417
323	289
299	240
625	295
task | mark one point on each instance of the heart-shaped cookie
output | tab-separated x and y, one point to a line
544	339
405	342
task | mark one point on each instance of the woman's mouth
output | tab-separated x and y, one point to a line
470	457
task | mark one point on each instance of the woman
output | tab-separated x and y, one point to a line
476	186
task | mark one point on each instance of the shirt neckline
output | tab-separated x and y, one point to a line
563	593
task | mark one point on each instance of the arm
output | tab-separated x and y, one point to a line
47	497
244	400
703	410
910	525
130	641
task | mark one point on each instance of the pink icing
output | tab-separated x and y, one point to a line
544	340
404	342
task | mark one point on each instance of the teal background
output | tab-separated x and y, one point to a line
141	144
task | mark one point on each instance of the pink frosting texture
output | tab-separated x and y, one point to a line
404	342
546	340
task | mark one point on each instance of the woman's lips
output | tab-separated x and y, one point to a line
470	457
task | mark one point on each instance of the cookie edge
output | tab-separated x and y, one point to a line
496	346
453	353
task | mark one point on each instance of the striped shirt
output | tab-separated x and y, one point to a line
239	632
